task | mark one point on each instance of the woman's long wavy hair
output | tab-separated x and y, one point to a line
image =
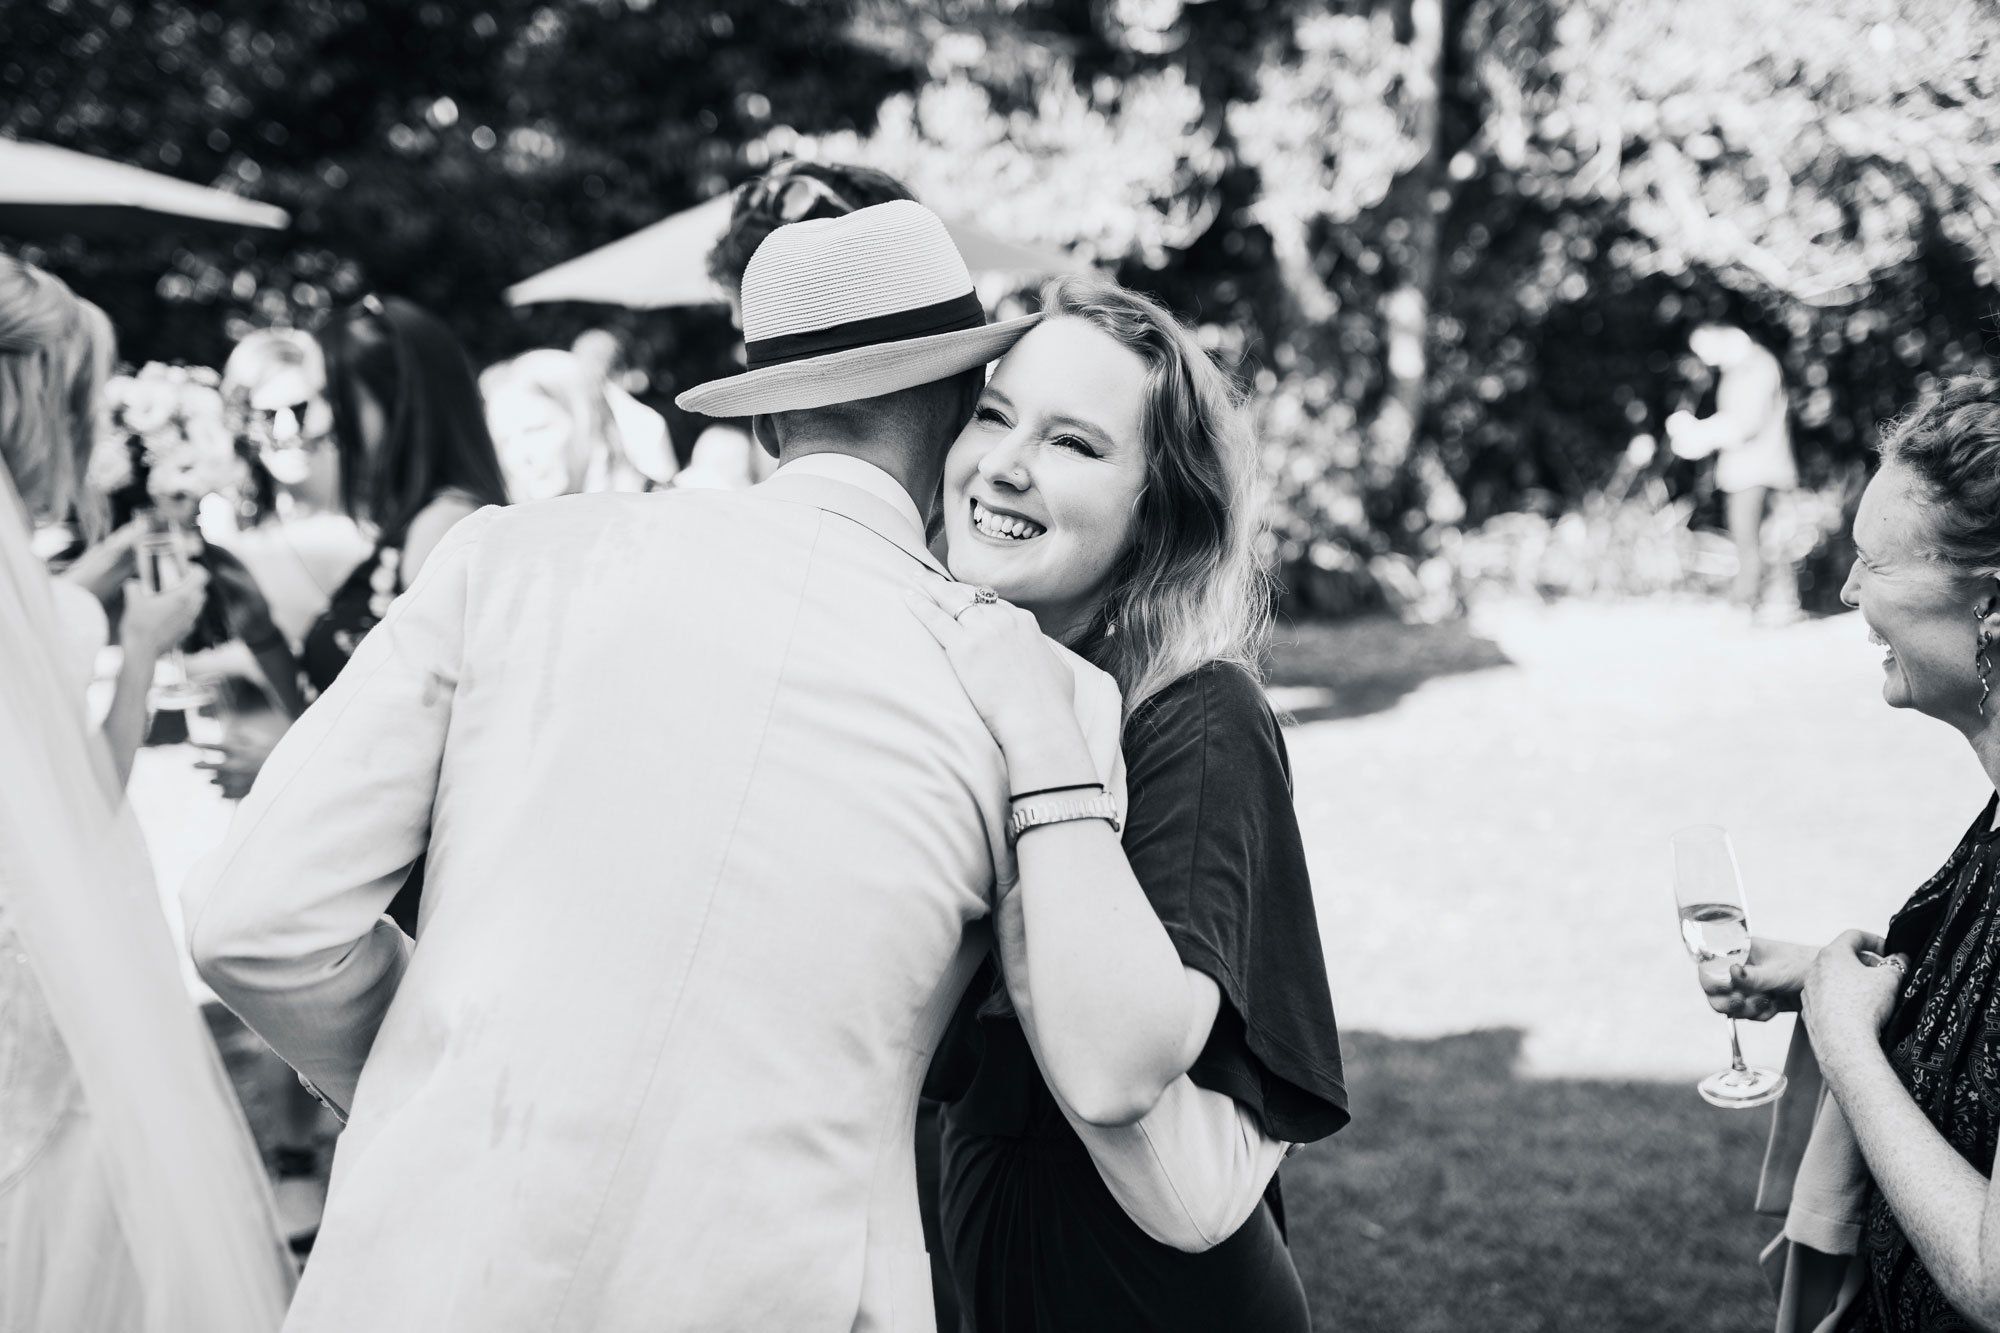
56	351
1191	590
434	436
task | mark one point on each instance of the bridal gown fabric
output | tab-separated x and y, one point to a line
712	834
132	1199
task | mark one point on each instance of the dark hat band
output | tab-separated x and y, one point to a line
960	312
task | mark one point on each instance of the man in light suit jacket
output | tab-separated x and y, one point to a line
712	833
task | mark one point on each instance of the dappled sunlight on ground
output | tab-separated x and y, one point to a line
1491	851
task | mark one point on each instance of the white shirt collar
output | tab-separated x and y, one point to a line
862	475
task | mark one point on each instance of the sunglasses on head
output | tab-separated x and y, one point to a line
791	196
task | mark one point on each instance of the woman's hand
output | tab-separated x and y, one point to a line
155	621
247	741
1847	1001
1019	686
1769	983
103	567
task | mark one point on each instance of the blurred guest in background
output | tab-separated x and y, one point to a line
1116	1168
303	545
1748	430
725	458
131	1195
1906	1030
556	432
413	453
167	446
643	431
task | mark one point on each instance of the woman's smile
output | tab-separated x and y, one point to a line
1003	525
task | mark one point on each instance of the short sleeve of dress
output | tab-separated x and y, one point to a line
1213	840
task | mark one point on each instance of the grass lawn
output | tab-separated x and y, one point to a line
1464	1197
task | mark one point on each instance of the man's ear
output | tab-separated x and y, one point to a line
970	385
765	431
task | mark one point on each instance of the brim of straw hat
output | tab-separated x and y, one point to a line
857	373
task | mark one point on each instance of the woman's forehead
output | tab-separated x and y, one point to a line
1896	519
1070	368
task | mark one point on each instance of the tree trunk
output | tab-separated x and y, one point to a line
1419	199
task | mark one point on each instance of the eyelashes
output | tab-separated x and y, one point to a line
994	417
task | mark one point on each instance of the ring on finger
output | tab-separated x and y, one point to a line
981	596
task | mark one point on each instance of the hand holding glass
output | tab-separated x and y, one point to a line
1715	927
163	564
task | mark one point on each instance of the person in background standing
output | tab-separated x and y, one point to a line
303	546
557	431
646	440
414	456
1748	430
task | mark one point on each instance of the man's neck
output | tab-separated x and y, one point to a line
919	481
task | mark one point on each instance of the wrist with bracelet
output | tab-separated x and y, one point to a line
1060	805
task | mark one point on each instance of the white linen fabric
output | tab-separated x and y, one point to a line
712	834
132	1199
1189	1172
1816	1179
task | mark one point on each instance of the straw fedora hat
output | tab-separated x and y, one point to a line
840	309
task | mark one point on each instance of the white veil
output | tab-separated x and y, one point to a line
185	1180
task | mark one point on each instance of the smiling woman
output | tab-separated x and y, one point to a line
1906	1029
1044	484
1159	1028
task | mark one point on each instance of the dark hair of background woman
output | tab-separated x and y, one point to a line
434	436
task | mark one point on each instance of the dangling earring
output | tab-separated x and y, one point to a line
1980	662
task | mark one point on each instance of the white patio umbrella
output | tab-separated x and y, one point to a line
47	191
666	264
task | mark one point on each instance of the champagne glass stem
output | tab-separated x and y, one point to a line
1736	1064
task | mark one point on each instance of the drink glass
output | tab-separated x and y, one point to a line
163	564
1715	928
206	726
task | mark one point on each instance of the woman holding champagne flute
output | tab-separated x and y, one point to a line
1907	1029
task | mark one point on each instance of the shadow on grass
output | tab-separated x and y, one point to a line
1316	671
1466	1197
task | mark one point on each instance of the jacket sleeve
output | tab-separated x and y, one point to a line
1189	1172
285	918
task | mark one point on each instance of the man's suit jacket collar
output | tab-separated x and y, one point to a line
859	492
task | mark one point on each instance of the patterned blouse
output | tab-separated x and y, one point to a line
1943	1040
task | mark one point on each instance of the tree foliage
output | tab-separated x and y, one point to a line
1452	246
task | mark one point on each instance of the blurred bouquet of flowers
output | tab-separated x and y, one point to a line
168	422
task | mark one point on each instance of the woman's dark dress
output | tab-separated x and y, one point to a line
350	613
1035	1239
1944	1041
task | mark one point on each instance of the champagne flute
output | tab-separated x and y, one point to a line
163	564
1715	927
